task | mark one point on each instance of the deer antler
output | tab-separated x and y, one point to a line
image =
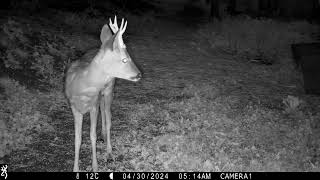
123	26
114	25
119	31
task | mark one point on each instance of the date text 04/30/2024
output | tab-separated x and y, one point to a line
186	175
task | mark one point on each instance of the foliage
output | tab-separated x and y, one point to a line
45	67
38	53
14	55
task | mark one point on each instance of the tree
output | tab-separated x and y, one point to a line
215	9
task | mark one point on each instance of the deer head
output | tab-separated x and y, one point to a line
113	56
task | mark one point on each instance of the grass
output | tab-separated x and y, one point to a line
258	40
21	118
195	110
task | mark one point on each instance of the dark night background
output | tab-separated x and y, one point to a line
228	85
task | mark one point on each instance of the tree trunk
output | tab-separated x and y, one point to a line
215	9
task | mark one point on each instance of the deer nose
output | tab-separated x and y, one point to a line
136	78
139	76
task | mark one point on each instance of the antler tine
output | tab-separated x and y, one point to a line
124	27
116	22
110	24
114	26
121	26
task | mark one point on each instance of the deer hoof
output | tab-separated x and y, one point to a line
100	140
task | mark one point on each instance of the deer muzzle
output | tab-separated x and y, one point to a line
136	78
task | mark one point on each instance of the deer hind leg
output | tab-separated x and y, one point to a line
93	137
78	117
105	105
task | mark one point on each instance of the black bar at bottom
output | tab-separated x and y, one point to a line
216	175
164	175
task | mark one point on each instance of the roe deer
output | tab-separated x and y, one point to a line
89	84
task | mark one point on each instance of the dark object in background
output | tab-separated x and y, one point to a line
307	57
215	9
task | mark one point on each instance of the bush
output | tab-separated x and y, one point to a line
14	55
45	68
38	53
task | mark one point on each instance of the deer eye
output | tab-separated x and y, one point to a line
124	60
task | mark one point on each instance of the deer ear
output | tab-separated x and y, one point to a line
106	33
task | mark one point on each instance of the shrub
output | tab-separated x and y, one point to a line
14	30
14	55
45	67
38	53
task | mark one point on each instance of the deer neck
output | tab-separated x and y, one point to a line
96	74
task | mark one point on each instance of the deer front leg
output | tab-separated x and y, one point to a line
103	119
78	117
93	137
105	105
